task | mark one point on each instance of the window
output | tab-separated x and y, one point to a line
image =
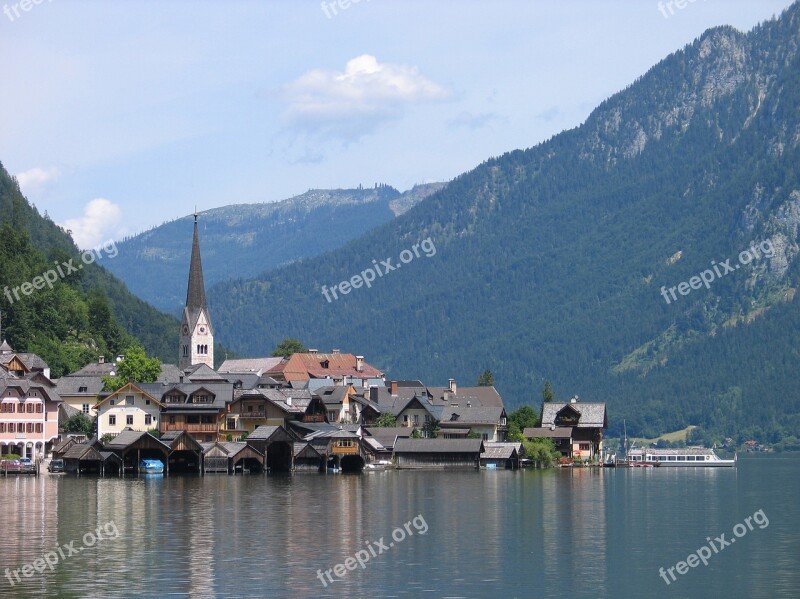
231	426
20	408
39	427
416	419
485	436
129	400
111	403
129	419
85	408
148	419
2	427
12	428
332	416
30	408
147	402
83	389
172	419
112	420
39	408
29	427
427	418
585	447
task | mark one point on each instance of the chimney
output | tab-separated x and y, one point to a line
101	360
373	393
574	399
393	388
451	384
288	401
313	352
360	363
335	352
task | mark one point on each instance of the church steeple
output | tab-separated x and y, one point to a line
196	292
197	334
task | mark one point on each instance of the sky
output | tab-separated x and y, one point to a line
117	116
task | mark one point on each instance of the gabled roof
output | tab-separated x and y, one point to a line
503	452
591	415
30	361
270	433
83	451
438	446
304	449
386	436
95	369
128	437
202	372
474	396
129	388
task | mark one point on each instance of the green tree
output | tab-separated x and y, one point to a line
287	347
430	429
541	452
415	434
486	379
79	423
136	366
547	392
385	421
520	419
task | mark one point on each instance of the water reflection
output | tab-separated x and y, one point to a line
575	532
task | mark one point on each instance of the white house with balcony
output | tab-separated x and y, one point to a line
128	407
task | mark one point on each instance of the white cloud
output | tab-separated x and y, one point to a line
100	221
349	104
36	177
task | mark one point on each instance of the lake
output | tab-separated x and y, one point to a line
551	534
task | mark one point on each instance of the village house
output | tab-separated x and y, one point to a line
576	427
29	404
458	421
314	370
129	407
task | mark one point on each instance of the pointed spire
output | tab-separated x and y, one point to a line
196	292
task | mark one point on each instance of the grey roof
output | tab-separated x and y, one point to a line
386	435
69	411
476	396
246	380
249	365
202	372
65	444
545	432
73	385
82	451
304	447
264	432
31	361
222	392
25	385
504	452
462	415
438	446
170	435
95	369
5	347
169	374
592	415
127	438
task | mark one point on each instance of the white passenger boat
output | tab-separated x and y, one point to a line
687	456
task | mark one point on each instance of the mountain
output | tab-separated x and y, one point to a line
549	262
71	319
250	239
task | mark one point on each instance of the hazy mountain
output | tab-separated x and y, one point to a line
549	262
243	240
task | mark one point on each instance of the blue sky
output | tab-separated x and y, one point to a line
117	116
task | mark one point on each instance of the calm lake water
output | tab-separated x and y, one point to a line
550	534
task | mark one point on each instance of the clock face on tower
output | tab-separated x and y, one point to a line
202	329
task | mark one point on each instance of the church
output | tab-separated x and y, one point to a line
197	334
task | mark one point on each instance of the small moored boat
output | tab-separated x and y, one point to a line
151	467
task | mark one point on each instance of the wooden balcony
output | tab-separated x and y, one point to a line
191	428
253	415
338	449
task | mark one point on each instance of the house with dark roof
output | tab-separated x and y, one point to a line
489	422
195	407
576	426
